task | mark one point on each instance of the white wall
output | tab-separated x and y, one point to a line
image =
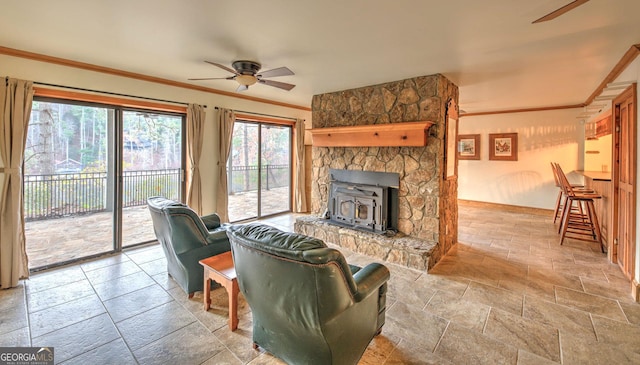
598	154
543	137
61	75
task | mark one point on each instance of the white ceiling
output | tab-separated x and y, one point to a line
489	48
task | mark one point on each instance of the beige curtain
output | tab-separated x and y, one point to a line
226	118
15	108
195	129
300	198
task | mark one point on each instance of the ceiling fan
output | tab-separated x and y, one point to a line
556	13
246	74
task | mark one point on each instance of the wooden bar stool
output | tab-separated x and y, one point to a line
557	212
561	201
579	220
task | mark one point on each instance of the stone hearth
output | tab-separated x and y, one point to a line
427	198
399	249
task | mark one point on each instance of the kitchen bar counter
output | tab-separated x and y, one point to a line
601	183
596	175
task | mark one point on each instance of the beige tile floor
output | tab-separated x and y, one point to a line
508	294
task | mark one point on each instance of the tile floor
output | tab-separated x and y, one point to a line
508	294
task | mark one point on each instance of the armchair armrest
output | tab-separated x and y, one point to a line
217	236
369	279
211	221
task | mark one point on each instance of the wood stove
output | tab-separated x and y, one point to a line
364	200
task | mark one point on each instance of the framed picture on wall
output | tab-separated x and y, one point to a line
503	146
469	147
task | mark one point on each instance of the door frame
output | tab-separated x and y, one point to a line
261	121
630	92
119	155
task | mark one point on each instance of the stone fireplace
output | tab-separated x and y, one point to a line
426	197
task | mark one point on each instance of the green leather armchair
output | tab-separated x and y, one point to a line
308	305
186	239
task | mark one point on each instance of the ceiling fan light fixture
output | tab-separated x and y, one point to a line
245	73
246	80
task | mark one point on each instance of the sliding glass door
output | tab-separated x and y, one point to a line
68	164
87	173
259	170
151	166
275	187
243	171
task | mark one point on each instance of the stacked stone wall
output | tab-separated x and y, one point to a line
424	191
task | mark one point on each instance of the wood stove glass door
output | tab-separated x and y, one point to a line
364	211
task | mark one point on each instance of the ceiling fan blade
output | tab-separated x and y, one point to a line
280	71
222	67
214	78
554	14
281	85
242	88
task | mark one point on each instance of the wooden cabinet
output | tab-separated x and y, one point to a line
601	182
601	126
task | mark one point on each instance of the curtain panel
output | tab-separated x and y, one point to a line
195	129
16	97
226	119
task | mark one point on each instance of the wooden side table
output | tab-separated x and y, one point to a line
220	268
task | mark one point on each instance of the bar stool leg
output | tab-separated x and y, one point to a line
566	209
564	222
595	223
557	210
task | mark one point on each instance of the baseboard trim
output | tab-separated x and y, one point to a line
635	290
506	207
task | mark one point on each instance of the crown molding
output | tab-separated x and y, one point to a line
137	76
523	110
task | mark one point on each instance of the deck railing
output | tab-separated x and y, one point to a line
139	185
58	195
245	178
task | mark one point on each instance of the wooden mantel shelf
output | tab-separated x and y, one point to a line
407	134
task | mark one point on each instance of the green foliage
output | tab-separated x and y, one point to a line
60	134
